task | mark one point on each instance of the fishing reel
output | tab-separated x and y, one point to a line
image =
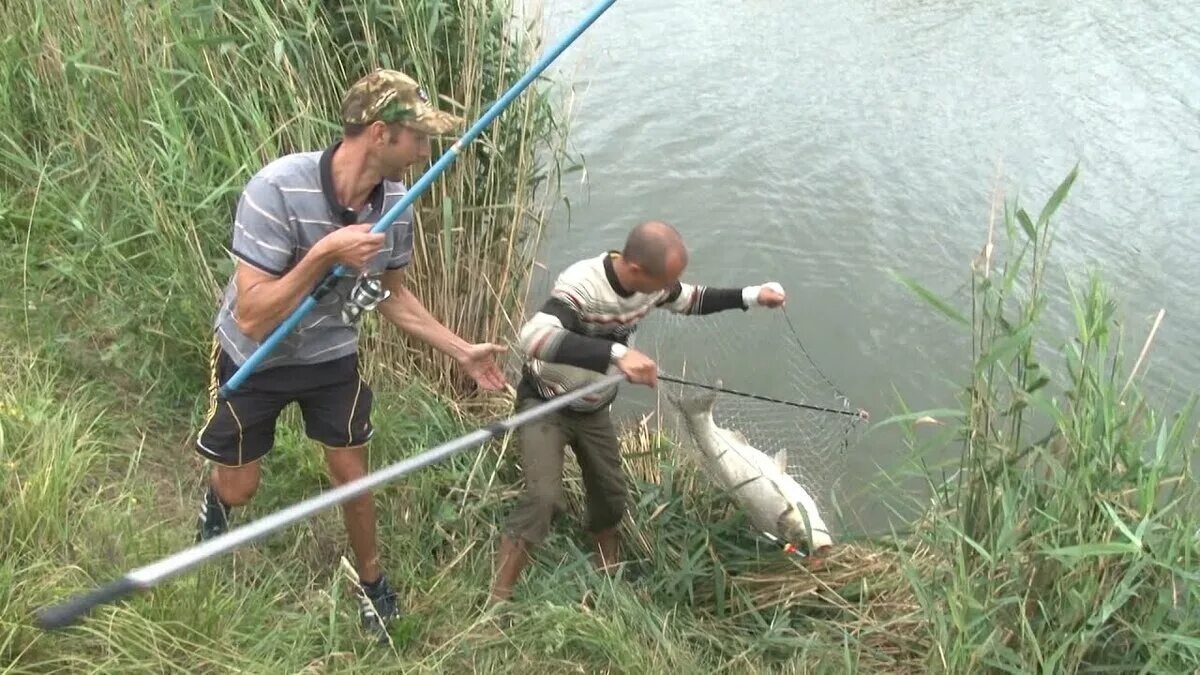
366	295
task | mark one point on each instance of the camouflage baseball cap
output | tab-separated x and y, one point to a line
393	97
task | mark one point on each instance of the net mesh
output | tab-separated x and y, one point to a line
761	353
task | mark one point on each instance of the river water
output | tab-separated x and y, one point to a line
828	145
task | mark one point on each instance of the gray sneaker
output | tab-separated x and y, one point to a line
377	606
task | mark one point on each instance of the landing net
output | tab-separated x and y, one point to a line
758	352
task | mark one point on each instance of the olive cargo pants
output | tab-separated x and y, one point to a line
593	438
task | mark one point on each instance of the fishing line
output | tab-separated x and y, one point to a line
837	392
800	343
786	547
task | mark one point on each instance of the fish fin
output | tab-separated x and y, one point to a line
779	490
737	436
781	460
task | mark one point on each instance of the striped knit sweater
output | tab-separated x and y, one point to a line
569	342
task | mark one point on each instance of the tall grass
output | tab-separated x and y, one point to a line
127	132
1067	538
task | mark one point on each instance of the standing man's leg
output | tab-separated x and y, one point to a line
542	443
237	432
598	452
346	465
378	603
337	414
228	486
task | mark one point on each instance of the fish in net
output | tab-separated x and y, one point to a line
757	353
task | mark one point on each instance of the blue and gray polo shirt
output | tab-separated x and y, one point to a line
286	208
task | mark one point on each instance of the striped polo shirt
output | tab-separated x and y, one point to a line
568	343
283	211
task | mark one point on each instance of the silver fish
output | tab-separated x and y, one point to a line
775	502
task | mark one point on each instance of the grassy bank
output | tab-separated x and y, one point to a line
1072	550
1065	540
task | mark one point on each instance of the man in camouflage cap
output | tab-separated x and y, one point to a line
392	97
297	218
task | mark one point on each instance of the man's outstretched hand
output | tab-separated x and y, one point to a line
479	360
771	295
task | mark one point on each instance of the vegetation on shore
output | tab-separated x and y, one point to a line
1064	540
1067	536
129	131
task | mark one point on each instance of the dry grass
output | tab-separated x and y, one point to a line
698	547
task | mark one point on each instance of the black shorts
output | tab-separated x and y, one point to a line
334	399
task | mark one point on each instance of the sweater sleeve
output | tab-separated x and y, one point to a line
555	335
686	298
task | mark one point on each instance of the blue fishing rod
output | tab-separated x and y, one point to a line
70	611
331	279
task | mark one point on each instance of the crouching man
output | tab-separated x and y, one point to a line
580	334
